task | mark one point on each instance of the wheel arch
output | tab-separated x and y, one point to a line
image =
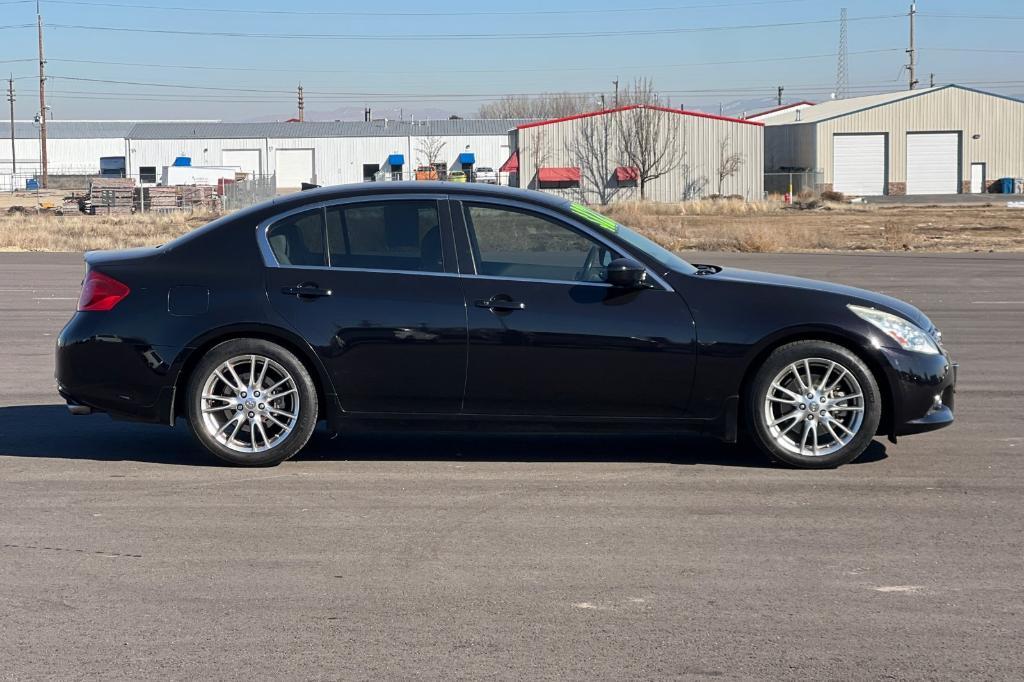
837	336
282	337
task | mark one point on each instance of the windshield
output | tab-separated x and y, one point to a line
634	239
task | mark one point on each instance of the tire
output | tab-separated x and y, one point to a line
246	417
817	423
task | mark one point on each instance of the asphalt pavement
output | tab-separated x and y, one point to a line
126	552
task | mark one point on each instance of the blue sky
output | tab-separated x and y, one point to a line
458	61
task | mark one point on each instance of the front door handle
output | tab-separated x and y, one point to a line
502	304
307	291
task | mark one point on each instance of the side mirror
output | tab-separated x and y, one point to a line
626	273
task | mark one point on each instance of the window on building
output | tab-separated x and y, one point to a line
299	239
386	235
513	243
147	174
370	171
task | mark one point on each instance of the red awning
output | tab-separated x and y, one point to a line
558	174
627	174
512	165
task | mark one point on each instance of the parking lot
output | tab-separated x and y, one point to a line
127	552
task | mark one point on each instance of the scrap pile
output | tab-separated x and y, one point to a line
200	197
110	195
161	198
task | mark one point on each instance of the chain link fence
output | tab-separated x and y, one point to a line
793	182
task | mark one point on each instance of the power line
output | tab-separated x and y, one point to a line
544	69
418	13
448	37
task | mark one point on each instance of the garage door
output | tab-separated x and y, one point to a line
294	167
858	164
933	163
246	160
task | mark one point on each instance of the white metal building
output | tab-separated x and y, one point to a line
323	153
943	140
74	147
778	113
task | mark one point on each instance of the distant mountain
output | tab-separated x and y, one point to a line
356	114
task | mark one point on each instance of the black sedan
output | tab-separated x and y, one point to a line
432	305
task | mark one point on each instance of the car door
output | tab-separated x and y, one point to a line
372	285
547	336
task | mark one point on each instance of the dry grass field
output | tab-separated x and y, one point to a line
724	225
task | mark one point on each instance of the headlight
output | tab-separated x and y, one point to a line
908	335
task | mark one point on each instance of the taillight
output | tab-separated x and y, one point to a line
101	292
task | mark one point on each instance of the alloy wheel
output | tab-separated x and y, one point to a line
249	404
814	407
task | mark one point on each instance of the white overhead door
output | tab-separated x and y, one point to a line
246	160
294	167
858	164
933	163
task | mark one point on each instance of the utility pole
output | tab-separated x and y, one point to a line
302	106
42	101
616	84
781	90
931	80
14	155
911	52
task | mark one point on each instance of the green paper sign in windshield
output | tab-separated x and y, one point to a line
594	218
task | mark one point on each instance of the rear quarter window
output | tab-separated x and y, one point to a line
299	239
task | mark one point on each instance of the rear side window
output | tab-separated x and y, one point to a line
385	235
299	239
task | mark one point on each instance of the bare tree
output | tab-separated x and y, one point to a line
551	105
648	139
592	149
429	149
728	164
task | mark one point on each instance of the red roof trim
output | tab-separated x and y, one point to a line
629	107
782	108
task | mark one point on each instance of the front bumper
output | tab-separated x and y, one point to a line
923	391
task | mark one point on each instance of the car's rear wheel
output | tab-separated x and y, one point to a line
814	404
251	402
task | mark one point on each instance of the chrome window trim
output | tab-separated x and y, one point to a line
270	261
558	217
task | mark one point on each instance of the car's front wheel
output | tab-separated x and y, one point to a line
814	404
251	402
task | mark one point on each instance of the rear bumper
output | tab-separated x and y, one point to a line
98	372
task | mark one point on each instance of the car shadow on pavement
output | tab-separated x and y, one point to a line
48	431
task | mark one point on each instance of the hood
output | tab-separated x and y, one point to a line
852	294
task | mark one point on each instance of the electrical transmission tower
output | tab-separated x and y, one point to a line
843	67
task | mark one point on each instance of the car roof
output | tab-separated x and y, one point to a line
417	187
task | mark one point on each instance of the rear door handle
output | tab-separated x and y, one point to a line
501	304
307	291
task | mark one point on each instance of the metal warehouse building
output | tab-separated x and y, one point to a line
547	156
74	147
324	153
943	140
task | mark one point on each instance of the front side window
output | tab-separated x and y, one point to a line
512	243
299	239
386	235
